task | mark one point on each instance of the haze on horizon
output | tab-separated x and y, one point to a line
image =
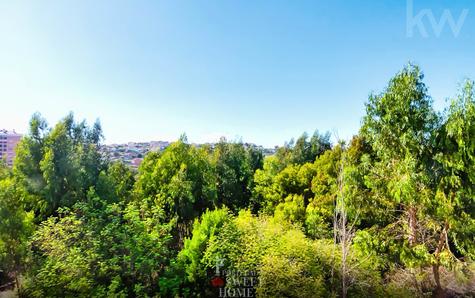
263	71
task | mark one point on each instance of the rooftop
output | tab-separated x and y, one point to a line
9	132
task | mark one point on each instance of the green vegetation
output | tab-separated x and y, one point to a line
391	213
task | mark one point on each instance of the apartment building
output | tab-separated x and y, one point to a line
8	142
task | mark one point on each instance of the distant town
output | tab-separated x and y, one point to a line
130	154
133	153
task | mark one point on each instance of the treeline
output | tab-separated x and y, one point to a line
390	213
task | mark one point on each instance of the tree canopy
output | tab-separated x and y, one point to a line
388	213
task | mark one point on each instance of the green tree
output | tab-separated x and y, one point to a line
15	228
290	171
303	150
286	263
417	171
274	188
234	167
58	166
190	276
453	210
399	125
180	182
116	183
98	249
324	186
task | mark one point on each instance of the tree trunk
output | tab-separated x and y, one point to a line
17	284
438	287
439	291
342	232
412	218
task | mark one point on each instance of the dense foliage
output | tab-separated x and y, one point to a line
390	213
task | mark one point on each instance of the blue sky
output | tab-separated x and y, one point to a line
262	70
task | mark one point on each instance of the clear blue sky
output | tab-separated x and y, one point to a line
262	70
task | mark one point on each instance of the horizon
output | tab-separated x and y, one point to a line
155	70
